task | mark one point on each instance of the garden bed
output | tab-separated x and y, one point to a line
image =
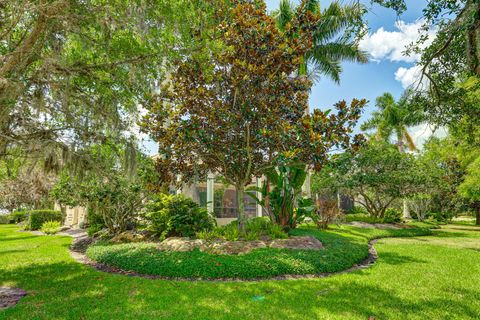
344	247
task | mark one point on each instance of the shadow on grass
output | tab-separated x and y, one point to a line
3	239
3	252
397	259
451	234
69	290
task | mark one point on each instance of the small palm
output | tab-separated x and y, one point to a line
394	118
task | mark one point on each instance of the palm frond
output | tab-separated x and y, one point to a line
373	122
335	18
339	50
385	101
324	66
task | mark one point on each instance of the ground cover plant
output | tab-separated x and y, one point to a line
255	229
60	288
36	218
50	227
344	246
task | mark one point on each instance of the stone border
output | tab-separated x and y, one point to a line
82	258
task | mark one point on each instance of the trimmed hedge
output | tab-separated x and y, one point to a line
18	216
37	218
4	219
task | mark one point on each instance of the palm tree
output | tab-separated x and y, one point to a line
394	118
332	40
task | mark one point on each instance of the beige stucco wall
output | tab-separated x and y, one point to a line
75	216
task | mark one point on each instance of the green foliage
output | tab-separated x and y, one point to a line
176	215
375	176
470	187
344	246
5	219
93	229
363	217
394	118
357	210
335	38
237	132
19	216
392	216
281	194
443	216
255	229
114	190
50	227
36	218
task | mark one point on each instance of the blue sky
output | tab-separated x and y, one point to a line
370	80
389	70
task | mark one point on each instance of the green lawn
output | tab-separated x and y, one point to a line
434	277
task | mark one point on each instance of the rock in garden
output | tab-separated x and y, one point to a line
10	296
180	244
301	243
238	247
235	247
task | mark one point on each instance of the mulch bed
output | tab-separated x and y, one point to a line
9	297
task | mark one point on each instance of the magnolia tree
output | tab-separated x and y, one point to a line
234	108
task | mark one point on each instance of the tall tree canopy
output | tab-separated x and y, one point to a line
73	73
233	109
375	176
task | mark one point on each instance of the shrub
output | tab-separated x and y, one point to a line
255	228
362	218
50	227
4	219
37	217
441	216
392	216
284	205
177	215
18	216
326	212
93	228
358	210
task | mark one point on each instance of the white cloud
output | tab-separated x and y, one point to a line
391	45
423	132
408	76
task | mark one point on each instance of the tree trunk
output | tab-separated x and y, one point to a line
406	210
477	217
240	188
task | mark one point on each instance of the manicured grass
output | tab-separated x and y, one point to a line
434	277
344	246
